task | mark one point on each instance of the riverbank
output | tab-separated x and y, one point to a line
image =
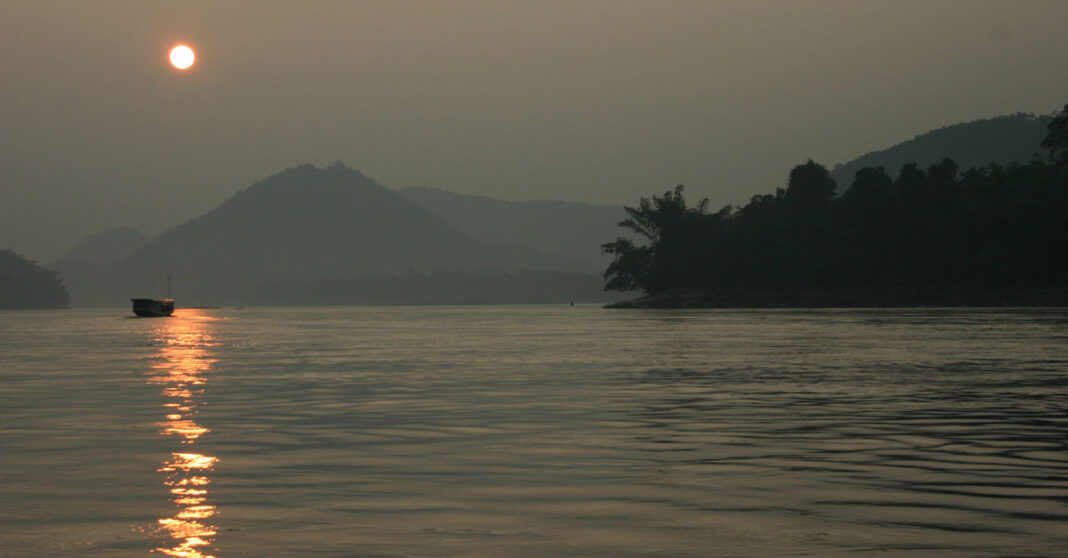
890	297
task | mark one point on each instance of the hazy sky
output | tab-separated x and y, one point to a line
576	100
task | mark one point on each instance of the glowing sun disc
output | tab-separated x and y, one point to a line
182	57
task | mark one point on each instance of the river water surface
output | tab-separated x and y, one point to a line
534	431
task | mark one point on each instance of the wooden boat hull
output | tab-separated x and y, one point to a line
152	308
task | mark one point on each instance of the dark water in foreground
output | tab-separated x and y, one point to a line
534	431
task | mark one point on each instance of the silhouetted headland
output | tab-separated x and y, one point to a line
26	285
988	236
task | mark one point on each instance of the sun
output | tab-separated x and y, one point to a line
182	57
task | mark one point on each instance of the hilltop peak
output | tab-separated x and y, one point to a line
296	183
307	170
314	225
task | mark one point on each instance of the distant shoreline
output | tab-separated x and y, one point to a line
890	297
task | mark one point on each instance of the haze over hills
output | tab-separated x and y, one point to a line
302	226
572	230
107	246
311	226
89	267
1001	140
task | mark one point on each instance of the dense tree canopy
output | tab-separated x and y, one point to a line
939	229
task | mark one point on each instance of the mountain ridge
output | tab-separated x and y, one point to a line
978	143
303	224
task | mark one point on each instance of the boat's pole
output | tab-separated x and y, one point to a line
168	284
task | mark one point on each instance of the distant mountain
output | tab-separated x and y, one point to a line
304	225
108	246
971	144
24	284
574	230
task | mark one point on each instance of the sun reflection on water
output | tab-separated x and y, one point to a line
182	371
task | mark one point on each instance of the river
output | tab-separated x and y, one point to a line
534	431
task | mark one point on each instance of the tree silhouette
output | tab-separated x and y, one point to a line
943	172
668	226
869	184
810	187
938	236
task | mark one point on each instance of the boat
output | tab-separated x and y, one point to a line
154	308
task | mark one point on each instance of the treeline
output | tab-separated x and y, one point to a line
990	235
24	284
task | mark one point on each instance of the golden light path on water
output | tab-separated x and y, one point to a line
182	371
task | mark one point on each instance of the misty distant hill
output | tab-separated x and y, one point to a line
574	230
305	225
1001	140
107	246
88	267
